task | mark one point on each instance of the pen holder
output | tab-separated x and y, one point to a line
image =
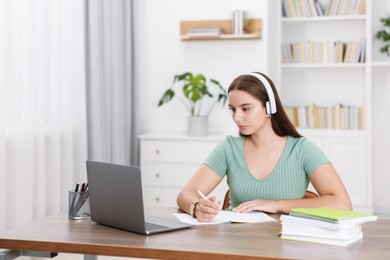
78	205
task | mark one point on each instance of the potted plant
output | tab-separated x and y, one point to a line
196	89
384	35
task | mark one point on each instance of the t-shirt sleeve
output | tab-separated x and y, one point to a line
216	161
312	157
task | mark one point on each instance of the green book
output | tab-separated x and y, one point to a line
332	215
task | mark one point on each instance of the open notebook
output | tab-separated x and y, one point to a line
225	216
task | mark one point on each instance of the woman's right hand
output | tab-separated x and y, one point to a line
206	210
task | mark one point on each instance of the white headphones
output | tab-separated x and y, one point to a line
270	105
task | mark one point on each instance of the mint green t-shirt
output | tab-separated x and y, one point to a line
288	180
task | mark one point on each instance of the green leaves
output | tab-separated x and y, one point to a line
168	95
195	89
384	35
386	21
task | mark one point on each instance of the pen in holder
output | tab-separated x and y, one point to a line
79	204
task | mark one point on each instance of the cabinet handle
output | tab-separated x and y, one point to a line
157	151
157	199
157	175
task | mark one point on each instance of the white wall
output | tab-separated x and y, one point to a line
160	54
381	124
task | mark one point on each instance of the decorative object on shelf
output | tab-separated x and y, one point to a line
384	35
198	125
196	89
239	22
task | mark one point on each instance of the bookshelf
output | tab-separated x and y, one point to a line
253	32
324	77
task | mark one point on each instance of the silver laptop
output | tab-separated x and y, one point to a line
115	193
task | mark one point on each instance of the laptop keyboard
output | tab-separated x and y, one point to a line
154	227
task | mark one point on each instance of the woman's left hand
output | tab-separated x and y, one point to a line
269	206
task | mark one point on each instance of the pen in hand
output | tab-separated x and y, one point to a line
215	210
202	195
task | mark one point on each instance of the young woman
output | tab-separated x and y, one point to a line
269	166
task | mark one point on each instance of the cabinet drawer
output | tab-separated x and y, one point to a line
176	151
168	174
176	175
160	196
166	197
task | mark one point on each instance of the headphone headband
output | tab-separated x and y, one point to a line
271	103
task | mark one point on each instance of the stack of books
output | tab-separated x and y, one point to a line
338	116
324	225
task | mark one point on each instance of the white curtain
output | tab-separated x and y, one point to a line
110	81
43	143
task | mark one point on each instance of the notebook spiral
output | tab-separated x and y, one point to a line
310	220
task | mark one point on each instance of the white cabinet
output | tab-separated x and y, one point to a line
168	162
347	152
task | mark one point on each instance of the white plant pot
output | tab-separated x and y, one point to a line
198	125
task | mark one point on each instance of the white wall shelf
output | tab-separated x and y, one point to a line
381	64
321	65
323	19
254	30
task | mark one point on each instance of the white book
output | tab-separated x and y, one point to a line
324	241
319	7
313	9
286	9
208	29
302	117
204	32
331	225
362	57
319	232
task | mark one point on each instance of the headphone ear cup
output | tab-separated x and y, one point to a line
267	108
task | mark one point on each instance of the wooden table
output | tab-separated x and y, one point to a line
224	241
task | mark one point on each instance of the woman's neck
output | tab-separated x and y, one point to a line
266	138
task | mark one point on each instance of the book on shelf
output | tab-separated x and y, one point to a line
338	116
309	52
205	32
324	225
313	8
319	8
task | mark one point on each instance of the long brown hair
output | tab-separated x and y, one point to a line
281	124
